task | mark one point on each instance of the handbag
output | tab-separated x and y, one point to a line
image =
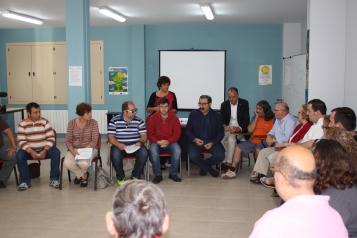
34	170
103	179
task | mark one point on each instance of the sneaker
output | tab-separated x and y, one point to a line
229	175
175	178
157	179
120	182
22	187
54	183
267	182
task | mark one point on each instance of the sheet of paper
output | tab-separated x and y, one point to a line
84	154
75	76
129	149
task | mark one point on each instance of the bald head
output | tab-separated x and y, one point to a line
296	165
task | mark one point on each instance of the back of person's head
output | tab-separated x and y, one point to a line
345	138
318	105
346	116
268	113
334	166
163	80
139	211
31	105
295	172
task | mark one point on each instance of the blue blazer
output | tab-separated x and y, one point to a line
215	132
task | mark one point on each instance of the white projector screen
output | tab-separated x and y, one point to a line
194	73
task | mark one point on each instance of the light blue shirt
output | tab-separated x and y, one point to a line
283	128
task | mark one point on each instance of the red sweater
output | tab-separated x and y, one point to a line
163	129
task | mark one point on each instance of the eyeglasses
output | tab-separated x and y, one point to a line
202	103
135	110
279	110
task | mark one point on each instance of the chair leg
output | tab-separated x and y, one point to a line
188	166
95	175
61	174
16	177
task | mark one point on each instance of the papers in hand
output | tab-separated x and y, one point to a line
129	149
84	154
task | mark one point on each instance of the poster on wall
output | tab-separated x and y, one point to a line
118	80
75	76
265	75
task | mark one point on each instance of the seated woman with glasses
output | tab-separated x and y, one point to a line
82	132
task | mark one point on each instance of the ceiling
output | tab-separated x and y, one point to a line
162	11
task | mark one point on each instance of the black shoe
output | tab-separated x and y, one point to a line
213	173
2	184
175	178
157	179
77	180
203	173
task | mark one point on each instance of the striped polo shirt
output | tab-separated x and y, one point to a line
125	132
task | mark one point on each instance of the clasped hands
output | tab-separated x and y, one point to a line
200	142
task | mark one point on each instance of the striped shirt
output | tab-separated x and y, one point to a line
125	132
87	136
35	135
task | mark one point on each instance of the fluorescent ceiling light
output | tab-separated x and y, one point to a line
111	13
22	17
206	9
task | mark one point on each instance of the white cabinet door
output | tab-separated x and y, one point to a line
42	74
19	74
97	74
60	73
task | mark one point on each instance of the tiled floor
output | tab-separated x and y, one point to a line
199	207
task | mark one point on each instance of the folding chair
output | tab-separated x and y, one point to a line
93	162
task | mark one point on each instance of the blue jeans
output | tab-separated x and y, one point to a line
116	156
217	152
154	153
22	156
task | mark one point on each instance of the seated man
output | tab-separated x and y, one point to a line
295	173
7	153
235	114
283	128
124	130
343	117
164	131
36	139
205	131
139	210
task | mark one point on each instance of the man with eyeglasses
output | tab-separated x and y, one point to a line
283	128
127	134
303	214
205	131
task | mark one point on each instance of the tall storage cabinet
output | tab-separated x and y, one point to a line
38	72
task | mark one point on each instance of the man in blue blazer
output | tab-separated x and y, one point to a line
235	114
205	131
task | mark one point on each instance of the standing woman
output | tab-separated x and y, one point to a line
82	132
163	85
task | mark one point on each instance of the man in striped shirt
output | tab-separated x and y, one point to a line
126	133
36	139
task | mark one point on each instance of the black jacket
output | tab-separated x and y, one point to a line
242	113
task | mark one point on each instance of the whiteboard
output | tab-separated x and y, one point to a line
294	82
194	73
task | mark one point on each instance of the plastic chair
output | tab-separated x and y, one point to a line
93	162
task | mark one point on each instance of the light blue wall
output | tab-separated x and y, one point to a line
136	46
247	47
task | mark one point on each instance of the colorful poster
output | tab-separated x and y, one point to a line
118	80
265	75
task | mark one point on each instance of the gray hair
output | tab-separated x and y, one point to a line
285	105
139	209
292	173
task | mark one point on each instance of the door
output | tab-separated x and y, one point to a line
97	77
60	73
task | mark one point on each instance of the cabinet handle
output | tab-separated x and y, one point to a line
29	74
33	74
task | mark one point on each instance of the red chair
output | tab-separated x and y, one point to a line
15	171
93	162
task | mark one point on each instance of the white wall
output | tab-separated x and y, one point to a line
327	24
351	56
291	39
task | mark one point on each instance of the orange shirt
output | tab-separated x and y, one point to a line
261	130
